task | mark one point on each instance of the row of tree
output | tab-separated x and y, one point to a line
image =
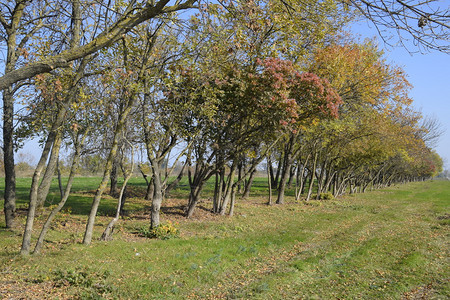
232	85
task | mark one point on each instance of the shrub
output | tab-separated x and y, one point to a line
326	196
163	231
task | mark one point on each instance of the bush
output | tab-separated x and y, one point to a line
326	196
163	231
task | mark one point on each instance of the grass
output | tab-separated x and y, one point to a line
386	244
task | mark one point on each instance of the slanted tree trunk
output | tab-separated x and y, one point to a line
61	189
321	179
56	210
107	170
107	233
177	180
292	173
194	197
301	177
46	182
113	178
249	184
329	180
25	250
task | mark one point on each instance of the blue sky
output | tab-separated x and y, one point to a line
429	73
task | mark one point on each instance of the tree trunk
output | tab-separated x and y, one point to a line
269	183
270	172
8	158
285	170
248	186
107	233
216	193
329	180
291	175
25	250
233	200
277	175
150	190
157	196
61	189
284	177
301	177
219	192
107	170
177	180
313	172
46	182
12	55
113	179
61	204
193	200
321	179
228	191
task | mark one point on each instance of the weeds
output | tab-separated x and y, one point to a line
164	231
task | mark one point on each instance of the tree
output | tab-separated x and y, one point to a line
22	25
426	22
126	18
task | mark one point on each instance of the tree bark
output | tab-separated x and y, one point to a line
277	175
219	190
113	179
233	200
107	233
313	172
177	180
228	191
107	171
56	210
269	182
25	250
301	177
249	184
8	158
285	169
46	182
8	116
61	189
157	195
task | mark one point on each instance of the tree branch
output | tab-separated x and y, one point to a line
105	39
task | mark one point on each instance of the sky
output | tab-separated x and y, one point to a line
429	74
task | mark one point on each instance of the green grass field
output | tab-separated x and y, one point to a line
385	244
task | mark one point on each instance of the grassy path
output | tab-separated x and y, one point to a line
387	244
